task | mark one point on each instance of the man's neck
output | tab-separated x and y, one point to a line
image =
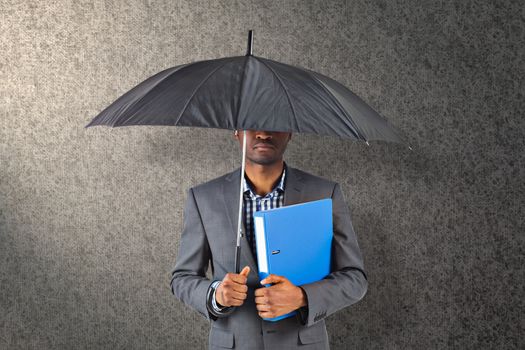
264	177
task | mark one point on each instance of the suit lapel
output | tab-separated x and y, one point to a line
293	194
293	187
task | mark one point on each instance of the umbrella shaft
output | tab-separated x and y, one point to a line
250	43
239	229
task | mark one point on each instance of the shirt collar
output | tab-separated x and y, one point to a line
280	186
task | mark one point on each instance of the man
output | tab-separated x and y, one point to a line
236	303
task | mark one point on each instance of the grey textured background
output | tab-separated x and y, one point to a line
90	218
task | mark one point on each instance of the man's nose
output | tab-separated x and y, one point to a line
263	135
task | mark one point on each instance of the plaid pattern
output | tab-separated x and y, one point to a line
254	202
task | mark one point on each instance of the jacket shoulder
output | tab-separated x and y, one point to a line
314	179
211	185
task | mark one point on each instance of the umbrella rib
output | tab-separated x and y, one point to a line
133	103
197	89
285	91
354	128
240	92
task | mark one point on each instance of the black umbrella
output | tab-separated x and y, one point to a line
248	93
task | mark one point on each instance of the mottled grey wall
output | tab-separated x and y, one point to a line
90	219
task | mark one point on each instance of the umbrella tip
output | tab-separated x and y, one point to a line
367	143
250	43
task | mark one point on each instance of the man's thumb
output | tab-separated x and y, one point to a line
245	271
272	279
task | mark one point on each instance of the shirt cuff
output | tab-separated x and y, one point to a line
214	304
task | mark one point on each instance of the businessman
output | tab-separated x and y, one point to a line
234	303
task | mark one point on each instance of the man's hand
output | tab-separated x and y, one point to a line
233	289
279	299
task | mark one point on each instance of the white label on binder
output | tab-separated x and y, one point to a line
260	240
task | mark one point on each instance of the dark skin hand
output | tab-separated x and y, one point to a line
233	290
279	299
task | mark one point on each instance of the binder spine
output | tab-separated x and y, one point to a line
260	241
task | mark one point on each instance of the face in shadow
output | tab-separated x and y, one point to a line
264	147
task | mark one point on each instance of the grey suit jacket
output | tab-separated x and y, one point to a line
209	236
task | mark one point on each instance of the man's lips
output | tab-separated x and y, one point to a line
263	145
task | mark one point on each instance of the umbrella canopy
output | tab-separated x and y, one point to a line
248	93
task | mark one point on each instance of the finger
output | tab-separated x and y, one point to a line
262	307
241	288
273	279
238	278
265	314
236	295
259	292
261	301
227	293
236	302
232	302
233	289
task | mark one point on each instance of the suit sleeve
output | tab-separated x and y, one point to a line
347	283
188	278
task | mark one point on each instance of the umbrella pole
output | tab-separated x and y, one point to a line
239	229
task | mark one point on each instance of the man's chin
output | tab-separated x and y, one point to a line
265	161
